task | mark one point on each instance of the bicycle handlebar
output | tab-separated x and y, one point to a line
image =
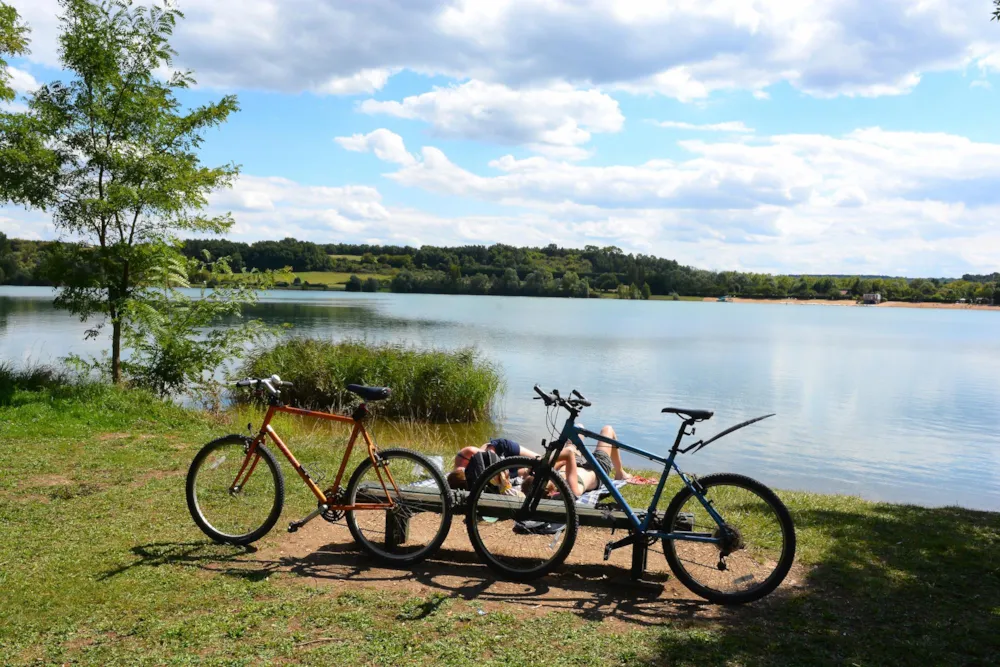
269	384
556	399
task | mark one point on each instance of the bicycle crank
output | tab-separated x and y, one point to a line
295	525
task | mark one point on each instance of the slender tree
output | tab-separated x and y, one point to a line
113	155
996	11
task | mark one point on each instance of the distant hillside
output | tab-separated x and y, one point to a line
504	269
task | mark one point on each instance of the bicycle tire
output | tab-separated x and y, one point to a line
572	522
198	515
446	509
784	563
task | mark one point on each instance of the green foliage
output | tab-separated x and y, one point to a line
508	269
113	155
354	284
30	378
996	11
427	385
175	345
13	42
370	285
607	282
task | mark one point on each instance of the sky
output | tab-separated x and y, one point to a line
829	136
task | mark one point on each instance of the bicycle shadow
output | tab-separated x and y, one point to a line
592	592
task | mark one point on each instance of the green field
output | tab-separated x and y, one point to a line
100	564
334	278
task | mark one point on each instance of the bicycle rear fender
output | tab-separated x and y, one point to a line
703	443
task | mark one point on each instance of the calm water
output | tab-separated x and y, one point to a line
890	404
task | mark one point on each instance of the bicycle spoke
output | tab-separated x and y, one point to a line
413	527
751	544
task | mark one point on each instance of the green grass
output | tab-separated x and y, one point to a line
430	385
100	564
334	278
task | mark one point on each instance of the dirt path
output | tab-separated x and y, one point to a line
324	555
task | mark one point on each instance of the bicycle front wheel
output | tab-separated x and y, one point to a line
411	507
520	547
231	499
757	540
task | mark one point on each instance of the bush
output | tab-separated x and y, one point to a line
353	284
370	285
429	385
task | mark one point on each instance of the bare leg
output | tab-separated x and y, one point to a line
613	453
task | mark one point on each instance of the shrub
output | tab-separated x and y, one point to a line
433	385
353	284
370	285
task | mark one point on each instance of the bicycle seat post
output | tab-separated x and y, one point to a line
681	432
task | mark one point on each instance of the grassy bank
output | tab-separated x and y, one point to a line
337	278
101	564
433	385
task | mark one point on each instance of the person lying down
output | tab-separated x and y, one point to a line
571	465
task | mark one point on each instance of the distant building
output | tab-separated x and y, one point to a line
872	299
844	292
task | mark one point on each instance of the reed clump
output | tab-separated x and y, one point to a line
431	385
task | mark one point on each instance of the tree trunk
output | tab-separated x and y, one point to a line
116	352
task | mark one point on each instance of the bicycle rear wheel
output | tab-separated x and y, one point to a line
420	517
531	546
230	502
758	544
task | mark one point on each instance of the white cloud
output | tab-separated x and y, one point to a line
386	145
871	200
729	126
21	81
681	49
555	120
365	81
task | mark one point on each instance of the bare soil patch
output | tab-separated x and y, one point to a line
325	556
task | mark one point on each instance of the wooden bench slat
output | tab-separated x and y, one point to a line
504	505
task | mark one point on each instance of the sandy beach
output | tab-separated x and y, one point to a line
884	304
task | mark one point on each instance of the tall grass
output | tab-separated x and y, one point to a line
33	377
432	385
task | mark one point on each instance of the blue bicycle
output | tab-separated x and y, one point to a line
727	537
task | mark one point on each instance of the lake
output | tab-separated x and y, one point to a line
886	403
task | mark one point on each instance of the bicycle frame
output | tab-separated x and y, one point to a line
571	433
267	431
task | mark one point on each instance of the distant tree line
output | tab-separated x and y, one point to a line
509	270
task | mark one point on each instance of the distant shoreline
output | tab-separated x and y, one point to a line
846	302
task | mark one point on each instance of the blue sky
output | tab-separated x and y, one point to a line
833	136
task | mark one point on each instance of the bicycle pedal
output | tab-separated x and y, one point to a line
607	551
293	526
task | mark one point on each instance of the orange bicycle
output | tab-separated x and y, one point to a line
397	503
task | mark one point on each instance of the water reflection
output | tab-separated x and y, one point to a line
892	404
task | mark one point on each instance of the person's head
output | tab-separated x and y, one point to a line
456	479
464	456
